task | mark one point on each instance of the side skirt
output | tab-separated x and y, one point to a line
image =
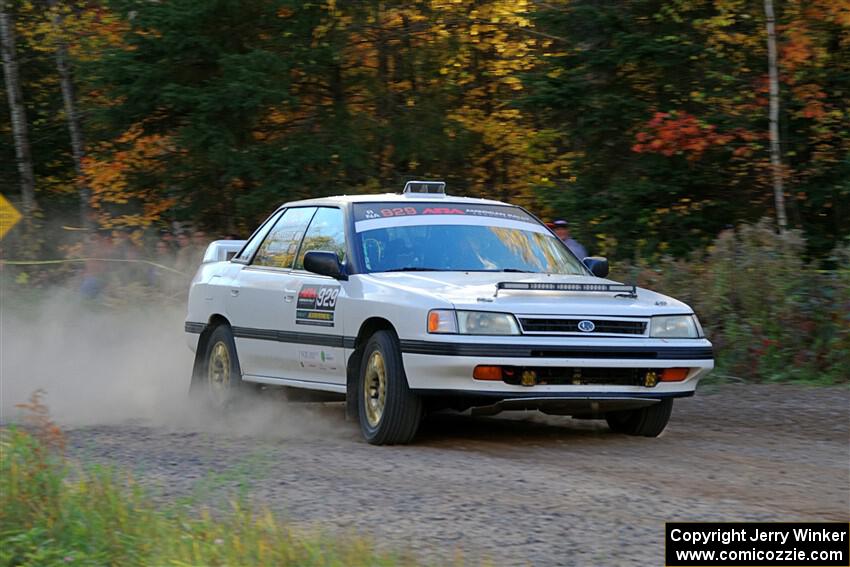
307	385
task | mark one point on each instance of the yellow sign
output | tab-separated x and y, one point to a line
9	215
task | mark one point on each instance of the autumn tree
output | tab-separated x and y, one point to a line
17	111
664	109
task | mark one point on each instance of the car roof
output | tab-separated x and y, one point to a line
394	198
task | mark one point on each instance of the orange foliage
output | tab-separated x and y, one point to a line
675	133
38	417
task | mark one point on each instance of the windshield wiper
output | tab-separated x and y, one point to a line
415	269
511	270
421	269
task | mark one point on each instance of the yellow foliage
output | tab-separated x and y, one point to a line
108	166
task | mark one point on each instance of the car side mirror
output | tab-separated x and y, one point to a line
325	264
597	265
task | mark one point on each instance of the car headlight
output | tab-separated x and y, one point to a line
471	322
675	327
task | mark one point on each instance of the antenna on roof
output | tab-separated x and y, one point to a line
428	187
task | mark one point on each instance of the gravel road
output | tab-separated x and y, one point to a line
513	489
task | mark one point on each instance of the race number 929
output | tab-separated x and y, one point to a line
398	212
326	298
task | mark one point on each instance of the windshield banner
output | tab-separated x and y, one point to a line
370	216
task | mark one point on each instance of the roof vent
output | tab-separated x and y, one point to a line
425	187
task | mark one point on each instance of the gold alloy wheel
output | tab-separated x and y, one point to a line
218	372
375	388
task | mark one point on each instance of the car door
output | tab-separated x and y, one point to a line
262	295
317	312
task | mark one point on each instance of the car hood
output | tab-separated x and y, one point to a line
477	290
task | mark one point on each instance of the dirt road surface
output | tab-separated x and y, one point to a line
514	489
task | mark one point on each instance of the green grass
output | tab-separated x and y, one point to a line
53	512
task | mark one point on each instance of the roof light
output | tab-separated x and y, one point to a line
428	187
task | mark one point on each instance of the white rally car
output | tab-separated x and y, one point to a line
407	303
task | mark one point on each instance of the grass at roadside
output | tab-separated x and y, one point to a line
53	512
772	316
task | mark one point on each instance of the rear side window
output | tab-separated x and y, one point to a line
326	232
248	250
279	248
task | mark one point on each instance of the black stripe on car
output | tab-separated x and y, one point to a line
478	350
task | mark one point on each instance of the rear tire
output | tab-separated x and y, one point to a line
646	422
389	413
217	380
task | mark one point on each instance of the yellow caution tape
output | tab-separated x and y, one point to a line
70	260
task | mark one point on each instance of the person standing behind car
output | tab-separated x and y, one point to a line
199	243
562	230
184	262
160	278
97	248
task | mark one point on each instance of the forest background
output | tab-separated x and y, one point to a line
645	123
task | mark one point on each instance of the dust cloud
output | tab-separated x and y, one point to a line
130	364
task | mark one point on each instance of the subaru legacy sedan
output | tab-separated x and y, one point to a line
412	302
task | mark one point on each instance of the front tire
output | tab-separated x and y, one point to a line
646	422
388	411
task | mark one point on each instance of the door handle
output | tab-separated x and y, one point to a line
287	297
234	292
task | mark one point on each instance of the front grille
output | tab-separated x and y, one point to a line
560	376
602	326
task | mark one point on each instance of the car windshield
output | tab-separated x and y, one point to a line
453	242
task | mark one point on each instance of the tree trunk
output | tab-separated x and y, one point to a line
17	110
73	117
775	151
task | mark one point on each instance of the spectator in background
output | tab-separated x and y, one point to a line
199	238
97	247
167	237
163	249
562	230
199	243
185	255
124	248
158	277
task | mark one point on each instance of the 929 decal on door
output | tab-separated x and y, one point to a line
316	305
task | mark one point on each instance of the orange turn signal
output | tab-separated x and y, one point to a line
674	374
433	322
487	373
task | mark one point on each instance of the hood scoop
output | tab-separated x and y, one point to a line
620	290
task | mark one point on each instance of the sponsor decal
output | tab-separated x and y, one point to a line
442	211
316	305
374	211
318	360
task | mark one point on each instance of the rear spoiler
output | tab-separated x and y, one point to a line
222	250
620	289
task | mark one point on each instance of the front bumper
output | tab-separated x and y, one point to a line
445	368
